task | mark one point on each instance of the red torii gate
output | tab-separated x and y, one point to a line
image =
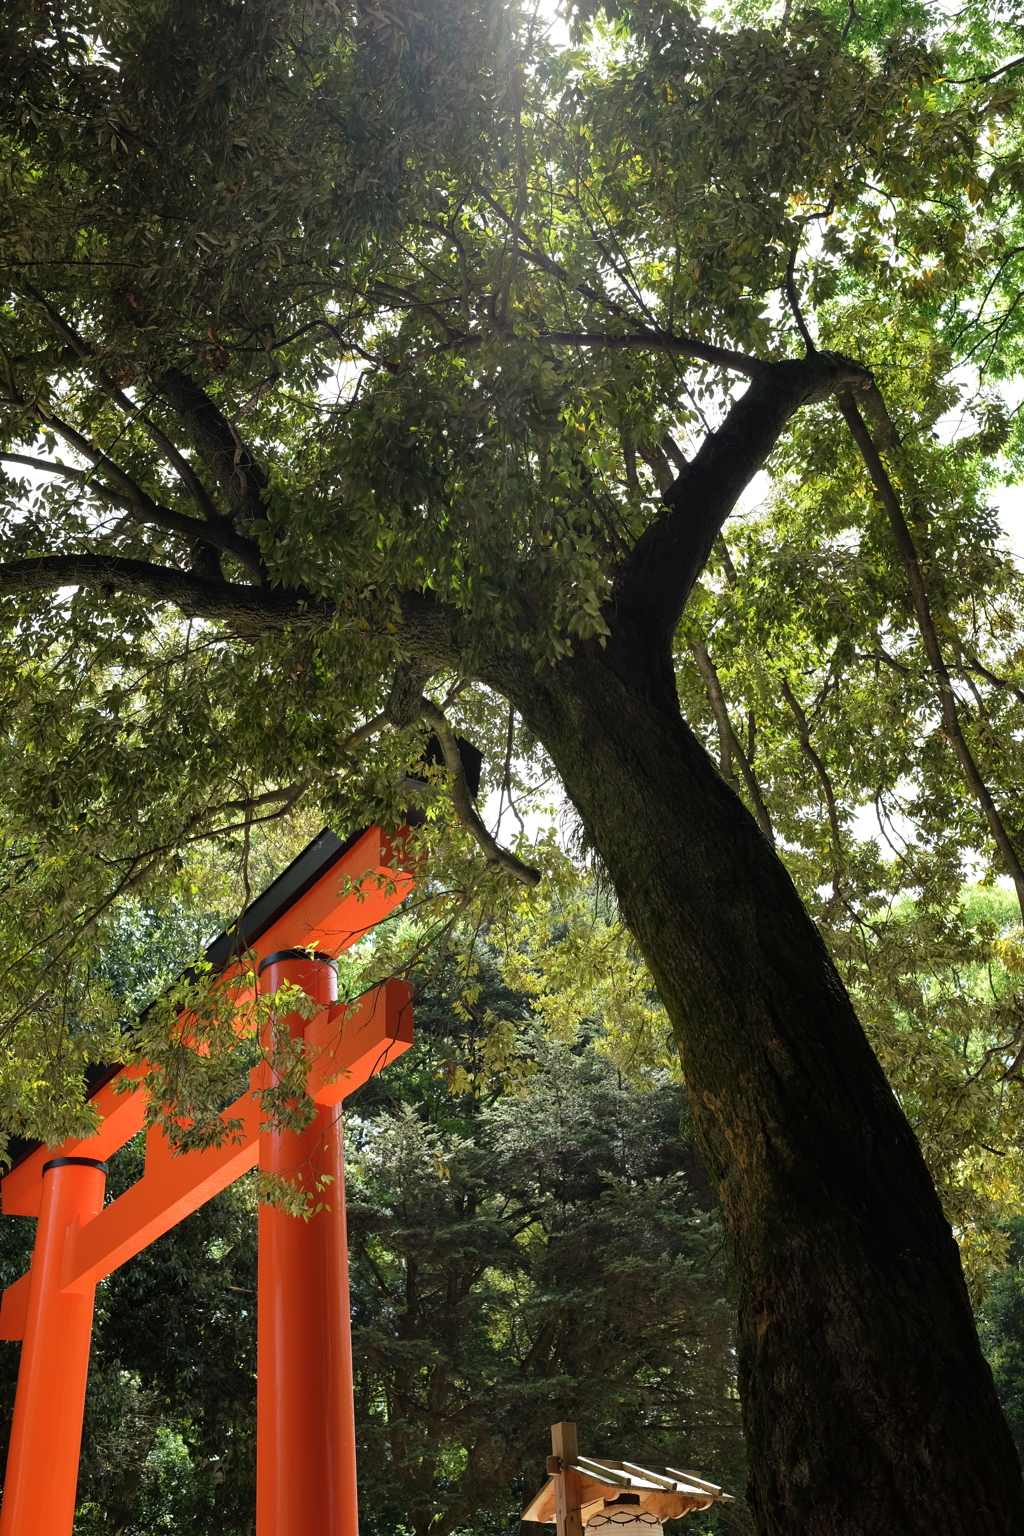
305	1437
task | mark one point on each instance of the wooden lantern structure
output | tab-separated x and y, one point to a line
328	898
580	1487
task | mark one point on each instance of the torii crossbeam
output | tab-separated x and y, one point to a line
328	898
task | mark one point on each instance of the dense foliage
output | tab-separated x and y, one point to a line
1003	1334
448	276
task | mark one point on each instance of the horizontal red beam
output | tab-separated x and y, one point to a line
122	1116
349	1044
353	1042
323	919
170	1189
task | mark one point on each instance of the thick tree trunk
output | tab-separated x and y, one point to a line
868	1405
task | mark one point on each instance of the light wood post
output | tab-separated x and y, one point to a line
568	1519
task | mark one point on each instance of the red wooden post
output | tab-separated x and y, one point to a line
46	1435
305	1418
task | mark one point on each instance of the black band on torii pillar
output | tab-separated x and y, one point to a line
295	954
75	1162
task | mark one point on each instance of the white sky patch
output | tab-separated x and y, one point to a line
754	497
1008	501
539	810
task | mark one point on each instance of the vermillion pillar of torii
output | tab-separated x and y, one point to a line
305	1412
46	1434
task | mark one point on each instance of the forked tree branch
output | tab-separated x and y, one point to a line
287	795
653	584
144	509
157	436
218	443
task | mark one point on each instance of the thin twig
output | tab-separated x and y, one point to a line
824	779
729	742
506	778
886	493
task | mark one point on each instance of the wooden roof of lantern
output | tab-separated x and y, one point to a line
665	1491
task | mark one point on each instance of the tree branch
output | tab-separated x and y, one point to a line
427	630
424	626
651	340
657	461
631	341
983	79
652	586
661	341
886	493
463	800
218	443
160	440
228	601
286	797
822	773
973	664
67	472
794	302
145	510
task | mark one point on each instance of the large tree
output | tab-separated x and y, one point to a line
418	363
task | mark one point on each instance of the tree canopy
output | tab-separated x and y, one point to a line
373	370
